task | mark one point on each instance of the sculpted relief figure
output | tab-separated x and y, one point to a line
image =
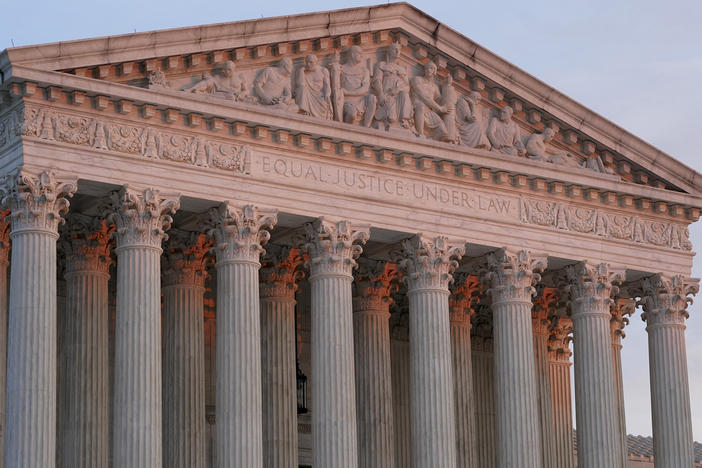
351	84
313	89
503	133
391	85
536	149
273	86
226	83
425	100
471	127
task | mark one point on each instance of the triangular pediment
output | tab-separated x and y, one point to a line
193	61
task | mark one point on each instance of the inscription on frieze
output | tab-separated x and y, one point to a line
386	188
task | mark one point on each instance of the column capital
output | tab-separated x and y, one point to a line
184	260
141	216
545	306
465	294
333	246
240	232
665	298
85	240
375	281
37	201
512	275
590	286
622	309
560	335
280	271
5	227
428	263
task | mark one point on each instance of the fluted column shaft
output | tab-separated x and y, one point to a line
36	205
183	267
665	301
561	397
332	255
619	398
239	235
4	264
84	432
518	429
599	443
400	368
484	389
278	341
140	217
428	265
544	304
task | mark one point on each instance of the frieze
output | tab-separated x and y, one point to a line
148	142
597	222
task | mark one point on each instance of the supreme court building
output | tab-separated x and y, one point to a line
340	239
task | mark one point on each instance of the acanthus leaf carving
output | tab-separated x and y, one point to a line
85	242
240	232
622	309
665	298
333	246
429	263
545	306
185	258
281	269
37	201
512	275
375	282
591	286
465	295
560	336
141	217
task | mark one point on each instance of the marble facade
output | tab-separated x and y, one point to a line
421	226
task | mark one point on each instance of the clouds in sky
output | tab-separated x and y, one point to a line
638	63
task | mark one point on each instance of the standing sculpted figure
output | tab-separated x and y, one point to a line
351	89
503	133
425	100
391	85
272	86
471	126
226	83
313	89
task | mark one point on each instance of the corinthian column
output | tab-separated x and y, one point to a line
461	308
400	369
665	300
36	203
239	235
183	266
560	330
544	303
518	435
484	387
622	308
140	217
4	263
332	252
590	288
428	265
279	277
371	323
84	435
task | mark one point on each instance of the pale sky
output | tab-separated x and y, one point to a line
636	62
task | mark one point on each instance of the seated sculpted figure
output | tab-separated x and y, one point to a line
351	83
313	94
425	100
471	126
272	86
536	149
391	85
503	133
225	83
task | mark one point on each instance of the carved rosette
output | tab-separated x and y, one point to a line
240	232
36	202
184	260
280	271
85	241
591	286
545	303
622	310
333	246
512	275
141	217
428	264
560	335
375	282
665	299
5	226
465	292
